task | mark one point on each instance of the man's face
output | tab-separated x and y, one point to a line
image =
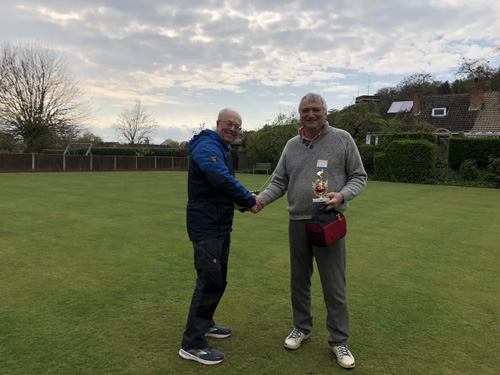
228	127
312	114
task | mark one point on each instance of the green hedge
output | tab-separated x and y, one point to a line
129	151
416	136
477	149
367	153
406	161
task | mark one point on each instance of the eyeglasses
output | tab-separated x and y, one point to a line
230	124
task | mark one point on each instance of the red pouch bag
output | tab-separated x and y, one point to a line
326	227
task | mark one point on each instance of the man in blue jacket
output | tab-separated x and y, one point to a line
212	192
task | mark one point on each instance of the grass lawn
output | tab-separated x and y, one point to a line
96	276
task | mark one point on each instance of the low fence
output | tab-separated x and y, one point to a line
79	163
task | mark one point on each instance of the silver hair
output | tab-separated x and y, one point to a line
313	97
222	111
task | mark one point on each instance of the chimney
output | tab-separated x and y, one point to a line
476	97
416	103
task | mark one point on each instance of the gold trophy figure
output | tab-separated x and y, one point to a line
320	188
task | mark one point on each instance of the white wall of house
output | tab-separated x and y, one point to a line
482	135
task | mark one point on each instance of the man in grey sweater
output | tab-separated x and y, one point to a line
318	147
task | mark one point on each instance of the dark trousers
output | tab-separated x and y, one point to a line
210	261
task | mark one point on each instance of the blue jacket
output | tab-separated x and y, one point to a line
212	188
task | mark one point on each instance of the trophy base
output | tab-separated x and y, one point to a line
321	200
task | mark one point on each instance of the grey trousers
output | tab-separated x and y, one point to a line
331	263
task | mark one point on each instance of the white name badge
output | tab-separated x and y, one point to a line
322	164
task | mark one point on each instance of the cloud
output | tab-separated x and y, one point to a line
186	59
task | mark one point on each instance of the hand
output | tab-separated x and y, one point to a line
335	201
259	205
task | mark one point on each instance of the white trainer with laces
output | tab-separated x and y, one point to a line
294	339
344	356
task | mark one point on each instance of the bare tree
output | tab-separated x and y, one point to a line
476	68
136	124
39	100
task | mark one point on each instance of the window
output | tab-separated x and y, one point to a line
439	112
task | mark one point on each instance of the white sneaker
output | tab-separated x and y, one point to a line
344	356
294	339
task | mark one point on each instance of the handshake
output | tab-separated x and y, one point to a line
258	206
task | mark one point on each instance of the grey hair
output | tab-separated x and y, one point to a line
222	111
313	97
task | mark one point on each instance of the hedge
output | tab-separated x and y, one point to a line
406	161
367	153
477	149
415	136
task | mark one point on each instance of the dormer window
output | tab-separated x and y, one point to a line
439	112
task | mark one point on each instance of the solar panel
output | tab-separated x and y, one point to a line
397	107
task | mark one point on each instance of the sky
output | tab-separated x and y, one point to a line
185	60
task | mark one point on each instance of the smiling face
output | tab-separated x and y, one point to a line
312	115
228	126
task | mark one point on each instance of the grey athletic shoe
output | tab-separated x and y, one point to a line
344	356
218	332
207	356
294	339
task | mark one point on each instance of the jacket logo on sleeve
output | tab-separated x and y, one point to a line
214	159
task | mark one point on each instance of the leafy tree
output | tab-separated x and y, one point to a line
421	126
387	96
170	143
460	86
143	151
39	101
358	120
387	129
9	142
136	124
267	143
444	88
332	114
88	137
422	82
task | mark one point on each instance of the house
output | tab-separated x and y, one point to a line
454	115
487	122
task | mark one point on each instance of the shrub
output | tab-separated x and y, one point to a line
468	170
367	153
406	161
416	136
493	171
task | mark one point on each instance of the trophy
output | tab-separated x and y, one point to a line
320	188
